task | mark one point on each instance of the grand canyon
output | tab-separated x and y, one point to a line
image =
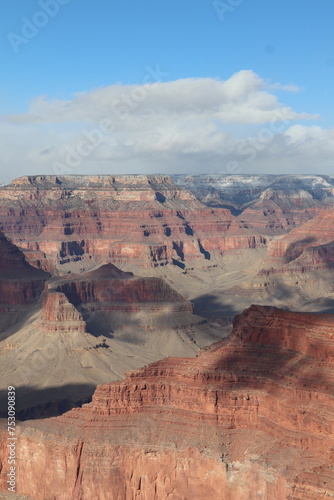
168	337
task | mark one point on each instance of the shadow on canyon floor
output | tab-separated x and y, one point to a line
36	403
321	305
210	305
234	211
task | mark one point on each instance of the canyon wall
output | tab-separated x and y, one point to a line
251	417
146	220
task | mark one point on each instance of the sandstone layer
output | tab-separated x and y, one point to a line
250	417
59	314
295	272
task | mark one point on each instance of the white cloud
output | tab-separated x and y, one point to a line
184	125
240	99
286	88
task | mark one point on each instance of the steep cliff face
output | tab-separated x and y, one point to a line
108	289
269	203
278	211
154	226
318	231
250	417
145	220
317	257
59	315
20	283
297	269
300	264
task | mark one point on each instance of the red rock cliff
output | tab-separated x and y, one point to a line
108	288
145	219
250	417
59	315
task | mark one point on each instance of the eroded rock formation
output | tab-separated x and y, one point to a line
250	417
146	220
314	233
89	328
108	289
59	314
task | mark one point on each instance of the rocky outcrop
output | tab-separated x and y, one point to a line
59	315
304	259
269	204
115	299
242	189
110	289
251	416
318	231
75	223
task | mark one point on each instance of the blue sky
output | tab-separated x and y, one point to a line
104	50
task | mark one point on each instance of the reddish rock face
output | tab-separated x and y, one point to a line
108	288
300	256
72	224
67	301
59	315
147	220
250	417
20	283
316	232
88	329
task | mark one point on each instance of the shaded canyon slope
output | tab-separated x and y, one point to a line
88	328
251	416
102	276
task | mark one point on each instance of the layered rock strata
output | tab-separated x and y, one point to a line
59	315
110	289
148	220
250	417
302	259
314	233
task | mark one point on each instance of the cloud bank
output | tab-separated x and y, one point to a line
190	125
